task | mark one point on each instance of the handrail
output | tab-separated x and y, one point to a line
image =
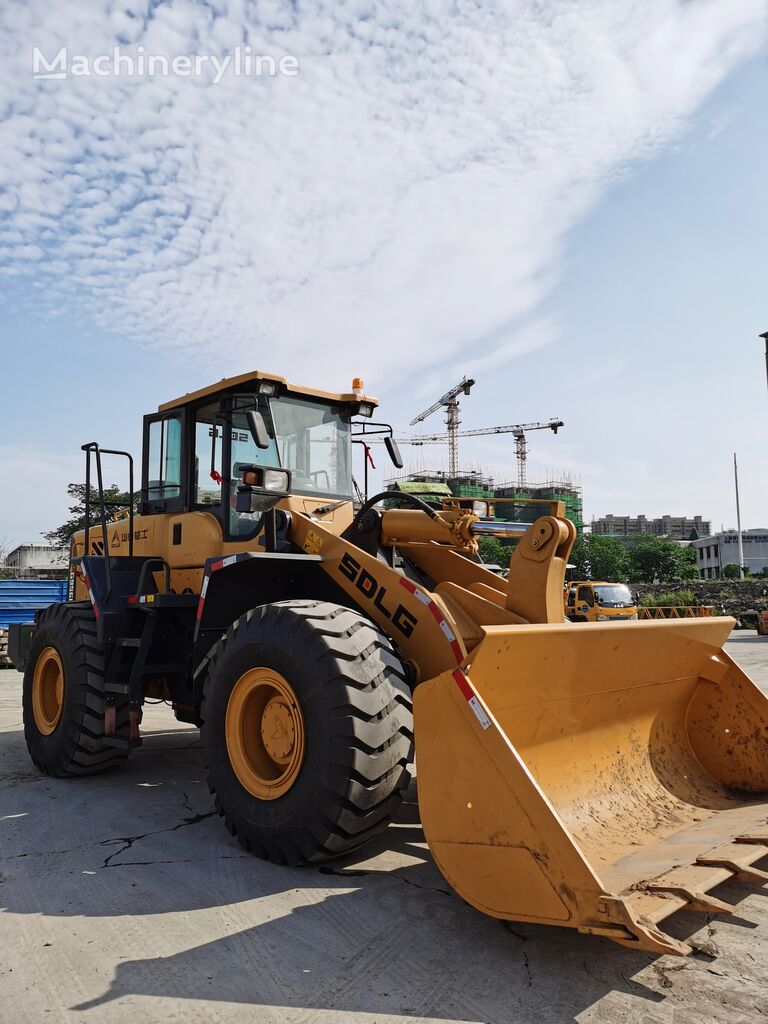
92	448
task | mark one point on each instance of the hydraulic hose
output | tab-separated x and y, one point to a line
399	495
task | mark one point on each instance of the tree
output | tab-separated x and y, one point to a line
688	567
493	552
63	534
658	559
730	572
600	558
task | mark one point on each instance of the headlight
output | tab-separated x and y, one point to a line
267	479
275	480
602	618
480	508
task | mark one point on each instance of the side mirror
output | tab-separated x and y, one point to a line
258	428
393	451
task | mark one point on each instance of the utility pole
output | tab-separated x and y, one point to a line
765	338
738	517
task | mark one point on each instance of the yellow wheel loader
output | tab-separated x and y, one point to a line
598	777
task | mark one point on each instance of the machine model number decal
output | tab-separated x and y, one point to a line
370	587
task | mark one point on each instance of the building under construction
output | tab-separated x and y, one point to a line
433	485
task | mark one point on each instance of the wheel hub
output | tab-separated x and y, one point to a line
264	731
277	730
48	690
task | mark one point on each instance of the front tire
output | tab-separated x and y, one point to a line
308	728
64	695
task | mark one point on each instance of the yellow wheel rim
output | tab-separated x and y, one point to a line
264	731
48	690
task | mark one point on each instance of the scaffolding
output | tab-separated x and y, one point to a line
480	485
551	490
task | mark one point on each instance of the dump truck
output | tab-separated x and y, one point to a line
599	777
599	601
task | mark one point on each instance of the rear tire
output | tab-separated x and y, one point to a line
64	717
348	713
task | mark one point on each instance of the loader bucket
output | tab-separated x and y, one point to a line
598	777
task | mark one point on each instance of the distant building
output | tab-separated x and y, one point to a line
676	527
534	499
38	556
541	495
431	491
714	553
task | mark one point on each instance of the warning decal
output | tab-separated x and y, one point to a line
313	543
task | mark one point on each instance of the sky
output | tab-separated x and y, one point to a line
564	200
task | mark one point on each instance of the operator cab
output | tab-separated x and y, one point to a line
197	447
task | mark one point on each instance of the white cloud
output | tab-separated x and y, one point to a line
402	200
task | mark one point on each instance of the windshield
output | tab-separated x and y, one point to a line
309	438
616	595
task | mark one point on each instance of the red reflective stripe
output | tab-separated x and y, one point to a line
436	613
463	684
200	604
217	565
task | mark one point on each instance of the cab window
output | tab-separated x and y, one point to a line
585	596
209	437
313	440
164	459
243	452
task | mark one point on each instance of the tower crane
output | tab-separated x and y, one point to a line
518	430
450	401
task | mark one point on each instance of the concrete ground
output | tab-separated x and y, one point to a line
123	898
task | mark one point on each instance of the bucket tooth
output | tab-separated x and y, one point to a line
640	913
756	835
693	883
698	901
656	906
739	858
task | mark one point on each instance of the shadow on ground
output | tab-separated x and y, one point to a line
380	932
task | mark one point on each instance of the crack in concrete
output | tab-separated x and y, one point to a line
507	925
144	863
527	969
355	873
663	971
418	885
345	872
128	841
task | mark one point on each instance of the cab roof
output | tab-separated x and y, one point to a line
596	583
226	383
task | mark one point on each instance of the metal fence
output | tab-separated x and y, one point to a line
671	611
